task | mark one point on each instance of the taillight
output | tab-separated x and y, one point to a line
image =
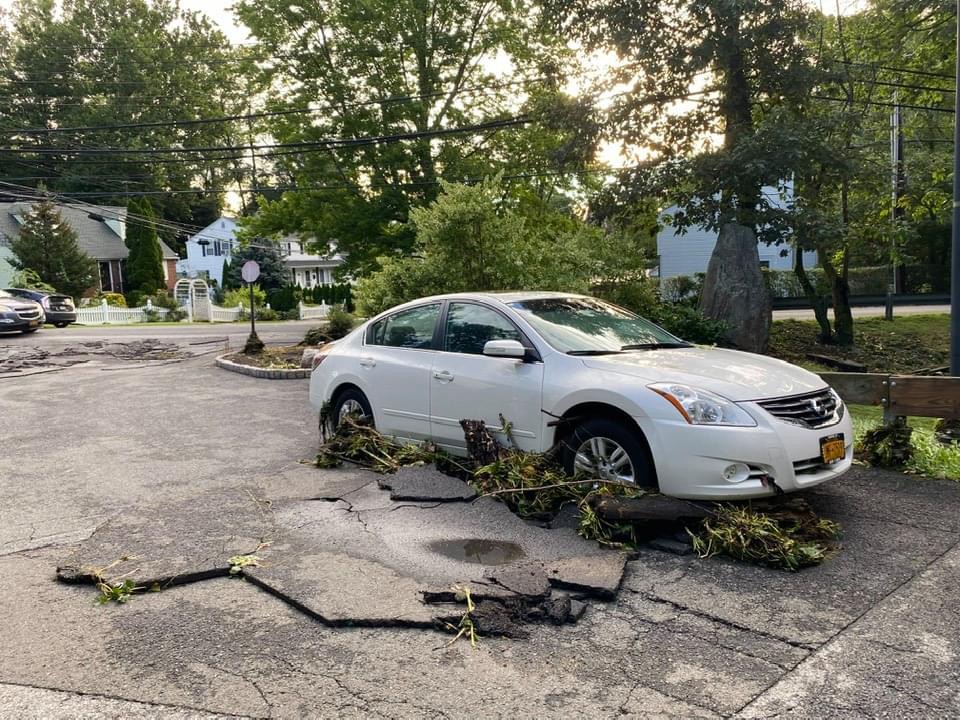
317	359
45	301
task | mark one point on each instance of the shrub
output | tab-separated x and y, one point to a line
113	299
290	314
232	298
265	314
136	298
688	323
164	300
283	299
339	323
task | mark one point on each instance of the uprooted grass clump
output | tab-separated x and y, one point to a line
534	486
786	538
355	441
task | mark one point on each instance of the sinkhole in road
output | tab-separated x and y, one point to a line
479	551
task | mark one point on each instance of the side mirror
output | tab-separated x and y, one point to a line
505	349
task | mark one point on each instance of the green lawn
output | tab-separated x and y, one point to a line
903	345
930	457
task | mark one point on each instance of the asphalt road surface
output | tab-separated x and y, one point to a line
235	333
875	631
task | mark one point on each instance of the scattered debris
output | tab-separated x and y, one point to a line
466	626
17	358
888	445
789	537
357	442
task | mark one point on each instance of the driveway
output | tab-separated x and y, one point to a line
113	446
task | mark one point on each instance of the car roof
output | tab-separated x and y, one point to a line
503	297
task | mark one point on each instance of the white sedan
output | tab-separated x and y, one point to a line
624	399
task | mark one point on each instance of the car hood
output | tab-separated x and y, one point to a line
735	375
17	304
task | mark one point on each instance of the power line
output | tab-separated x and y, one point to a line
275	113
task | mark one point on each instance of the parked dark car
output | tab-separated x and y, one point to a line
17	313
58	308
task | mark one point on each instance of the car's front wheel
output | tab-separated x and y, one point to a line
60	324
607	450
351	402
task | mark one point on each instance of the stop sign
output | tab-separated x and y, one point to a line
250	271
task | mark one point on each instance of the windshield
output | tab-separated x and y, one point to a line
583	326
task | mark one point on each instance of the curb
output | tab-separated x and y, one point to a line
264	373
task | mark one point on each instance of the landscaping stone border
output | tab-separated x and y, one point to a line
264	373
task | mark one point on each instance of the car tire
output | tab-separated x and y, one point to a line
349	401
621	453
60	325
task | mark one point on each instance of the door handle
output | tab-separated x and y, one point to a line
443	376
367	362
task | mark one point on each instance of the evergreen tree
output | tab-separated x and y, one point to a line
145	264
272	272
224	275
48	246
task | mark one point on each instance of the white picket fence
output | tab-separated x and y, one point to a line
104	314
223	314
311	312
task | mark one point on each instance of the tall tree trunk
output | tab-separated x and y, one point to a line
817	301
733	290
840	282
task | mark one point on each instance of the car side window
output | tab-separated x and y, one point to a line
411	328
470	327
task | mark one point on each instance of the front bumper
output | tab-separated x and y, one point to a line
12	323
690	459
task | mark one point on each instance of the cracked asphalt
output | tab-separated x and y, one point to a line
874	632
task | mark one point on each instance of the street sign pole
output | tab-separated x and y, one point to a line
250	272
955	235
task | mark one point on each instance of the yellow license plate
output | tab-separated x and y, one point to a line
832	448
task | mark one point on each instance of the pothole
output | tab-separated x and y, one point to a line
478	551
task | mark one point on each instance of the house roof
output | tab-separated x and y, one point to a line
95	237
167	253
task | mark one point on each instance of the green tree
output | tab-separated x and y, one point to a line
100	64
699	71
273	273
145	263
400	68
478	237
48	246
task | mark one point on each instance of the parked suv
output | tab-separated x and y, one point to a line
18	313
58	308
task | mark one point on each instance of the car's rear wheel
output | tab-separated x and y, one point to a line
351	402
607	450
60	324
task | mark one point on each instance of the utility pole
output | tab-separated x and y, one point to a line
896	215
955	259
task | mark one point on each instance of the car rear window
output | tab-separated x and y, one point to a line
411	328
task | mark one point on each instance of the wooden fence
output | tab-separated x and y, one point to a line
900	395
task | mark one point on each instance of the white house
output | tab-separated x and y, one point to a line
689	253
207	250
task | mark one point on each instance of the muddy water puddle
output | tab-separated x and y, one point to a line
481	552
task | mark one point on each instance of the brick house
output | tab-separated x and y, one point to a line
101	232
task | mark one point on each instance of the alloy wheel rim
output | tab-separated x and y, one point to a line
606	459
350	407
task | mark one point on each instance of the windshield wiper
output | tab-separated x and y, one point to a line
656	346
593	352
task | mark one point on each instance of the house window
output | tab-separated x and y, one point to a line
765	264
106	277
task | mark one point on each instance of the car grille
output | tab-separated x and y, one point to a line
810	466
28	313
813	410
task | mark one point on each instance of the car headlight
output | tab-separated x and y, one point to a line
841	408
700	407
